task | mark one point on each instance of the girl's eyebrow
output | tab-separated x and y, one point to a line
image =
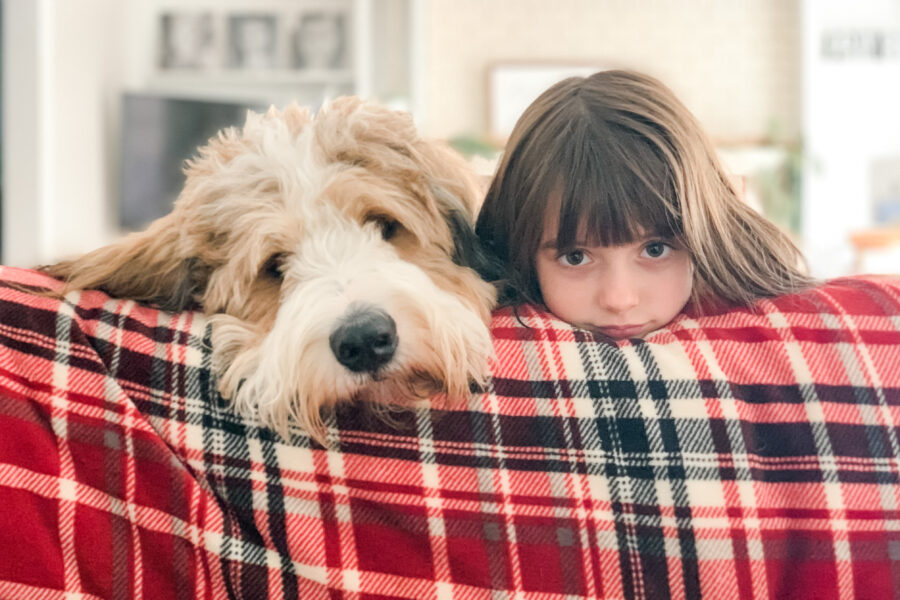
643	239
554	245
549	245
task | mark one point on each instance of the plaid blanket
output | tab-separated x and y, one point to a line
739	455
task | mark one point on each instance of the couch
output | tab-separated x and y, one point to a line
743	454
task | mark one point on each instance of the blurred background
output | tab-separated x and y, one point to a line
102	100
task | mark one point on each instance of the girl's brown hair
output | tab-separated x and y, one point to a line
628	159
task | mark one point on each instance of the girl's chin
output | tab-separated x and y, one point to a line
619	333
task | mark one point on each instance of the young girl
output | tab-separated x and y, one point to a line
611	209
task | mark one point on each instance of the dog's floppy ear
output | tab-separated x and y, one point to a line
467	248
149	266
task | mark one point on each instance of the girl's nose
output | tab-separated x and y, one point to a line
617	293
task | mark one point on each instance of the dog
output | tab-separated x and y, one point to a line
335	256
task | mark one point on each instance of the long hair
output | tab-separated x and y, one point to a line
628	159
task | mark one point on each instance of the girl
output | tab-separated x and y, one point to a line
610	209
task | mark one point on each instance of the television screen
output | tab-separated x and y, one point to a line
158	134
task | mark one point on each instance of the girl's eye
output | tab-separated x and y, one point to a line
574	258
656	249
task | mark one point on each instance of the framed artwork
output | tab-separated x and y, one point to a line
310	39
187	41
884	187
512	87
252	41
320	39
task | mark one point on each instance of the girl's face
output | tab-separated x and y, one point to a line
622	291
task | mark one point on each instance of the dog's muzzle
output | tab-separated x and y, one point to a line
365	340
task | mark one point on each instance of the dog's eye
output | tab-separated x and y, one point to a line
274	266
388	226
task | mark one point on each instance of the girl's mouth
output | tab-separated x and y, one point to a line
621	332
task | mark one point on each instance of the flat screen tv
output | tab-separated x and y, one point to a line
159	133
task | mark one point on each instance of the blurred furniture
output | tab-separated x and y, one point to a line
276	51
884	240
199	67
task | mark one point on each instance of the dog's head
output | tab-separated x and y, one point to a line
335	253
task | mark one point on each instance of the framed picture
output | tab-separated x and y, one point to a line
187	41
252	41
320	39
513	86
884	187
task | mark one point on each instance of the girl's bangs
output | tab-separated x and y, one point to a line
614	193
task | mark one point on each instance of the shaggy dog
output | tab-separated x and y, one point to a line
335	256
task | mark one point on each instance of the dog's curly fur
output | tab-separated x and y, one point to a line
291	226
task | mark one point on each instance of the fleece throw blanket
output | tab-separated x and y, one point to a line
739	455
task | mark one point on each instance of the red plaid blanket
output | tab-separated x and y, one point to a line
741	455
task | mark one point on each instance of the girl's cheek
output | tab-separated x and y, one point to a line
689	277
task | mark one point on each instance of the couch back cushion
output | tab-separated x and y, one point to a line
740	454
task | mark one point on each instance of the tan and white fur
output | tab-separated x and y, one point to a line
294	230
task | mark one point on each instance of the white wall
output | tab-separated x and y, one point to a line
26	187
735	63
63	63
851	116
88	71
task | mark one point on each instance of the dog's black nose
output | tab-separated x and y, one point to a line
365	341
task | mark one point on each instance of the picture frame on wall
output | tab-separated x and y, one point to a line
303	42
320	39
512	86
252	41
884	189
187	41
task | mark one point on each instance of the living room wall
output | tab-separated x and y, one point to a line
736	64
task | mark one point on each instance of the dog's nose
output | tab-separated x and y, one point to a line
365	341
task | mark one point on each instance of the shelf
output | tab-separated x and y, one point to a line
255	76
311	50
